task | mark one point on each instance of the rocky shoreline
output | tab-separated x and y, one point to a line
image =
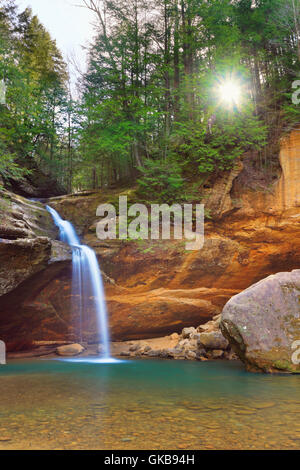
203	343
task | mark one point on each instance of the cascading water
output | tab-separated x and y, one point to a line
86	280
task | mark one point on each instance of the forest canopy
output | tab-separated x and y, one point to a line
149	110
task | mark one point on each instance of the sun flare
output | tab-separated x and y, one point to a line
230	92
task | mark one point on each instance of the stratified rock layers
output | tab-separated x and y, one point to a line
30	259
155	288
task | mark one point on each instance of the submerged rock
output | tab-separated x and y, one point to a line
70	350
262	323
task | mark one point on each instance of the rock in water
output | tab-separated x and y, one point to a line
70	350
262	323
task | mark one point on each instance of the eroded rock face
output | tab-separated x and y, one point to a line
22	218
36	184
27	243
29	259
21	259
262	323
152	288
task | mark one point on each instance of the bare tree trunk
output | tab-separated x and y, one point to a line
176	62
94	6
136	153
186	16
167	73
297	25
94	177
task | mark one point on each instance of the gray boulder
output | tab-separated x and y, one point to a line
262	324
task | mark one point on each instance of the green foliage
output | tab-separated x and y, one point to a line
32	122
231	136
148	105
150	90
9	168
160	182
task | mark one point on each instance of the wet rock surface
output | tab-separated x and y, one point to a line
21	259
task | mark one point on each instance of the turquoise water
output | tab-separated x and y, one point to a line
146	405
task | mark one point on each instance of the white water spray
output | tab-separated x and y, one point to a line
86	278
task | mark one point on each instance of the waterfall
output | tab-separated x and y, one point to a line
86	279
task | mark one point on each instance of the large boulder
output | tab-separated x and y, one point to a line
262	323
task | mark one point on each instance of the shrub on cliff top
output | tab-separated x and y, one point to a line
160	181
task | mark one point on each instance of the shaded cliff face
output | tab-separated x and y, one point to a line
155	288
29	258
37	183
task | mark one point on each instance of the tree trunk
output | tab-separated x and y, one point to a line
167	73
176	63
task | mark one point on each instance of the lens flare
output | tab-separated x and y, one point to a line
230	92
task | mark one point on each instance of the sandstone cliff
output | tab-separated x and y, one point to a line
155	288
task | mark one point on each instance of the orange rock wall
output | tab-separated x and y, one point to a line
157	288
288	192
